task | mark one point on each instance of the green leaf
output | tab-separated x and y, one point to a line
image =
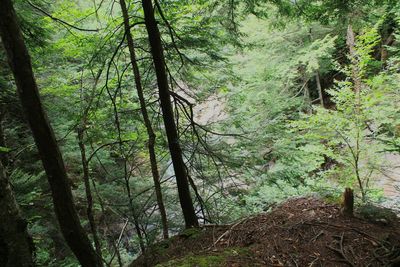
4	149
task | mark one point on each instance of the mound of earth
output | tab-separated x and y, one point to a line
299	232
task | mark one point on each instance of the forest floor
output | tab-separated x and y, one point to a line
299	232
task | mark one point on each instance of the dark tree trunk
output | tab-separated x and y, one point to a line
3	156
15	243
168	115
146	120
21	67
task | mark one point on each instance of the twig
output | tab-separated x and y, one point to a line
60	20
119	241
340	250
228	232
318	235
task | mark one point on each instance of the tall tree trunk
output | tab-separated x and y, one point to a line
43	134
146	120
168	115
15	243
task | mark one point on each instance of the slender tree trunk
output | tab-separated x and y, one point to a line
146	120
357	85
132	209
355	71
3	156
168	115
127	175
307	97
306	91
317	77
88	191
85	163
15	243
321	96
43	134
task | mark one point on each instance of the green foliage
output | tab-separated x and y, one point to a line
345	132
191	233
4	149
319	51
216	259
253	62
270	193
297	152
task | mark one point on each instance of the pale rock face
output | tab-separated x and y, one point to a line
390	177
389	180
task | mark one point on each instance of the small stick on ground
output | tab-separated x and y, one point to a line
340	250
227	232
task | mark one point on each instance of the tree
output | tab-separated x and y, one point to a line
146	119
20	64
168	115
16	245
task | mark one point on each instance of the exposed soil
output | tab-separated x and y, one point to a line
299	232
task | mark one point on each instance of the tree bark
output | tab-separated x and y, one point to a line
146	120
168	115
348	203
43	134
15	243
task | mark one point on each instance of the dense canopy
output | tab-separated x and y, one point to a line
122	123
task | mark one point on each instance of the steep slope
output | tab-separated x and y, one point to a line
299	232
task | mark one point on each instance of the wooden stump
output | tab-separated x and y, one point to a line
347	203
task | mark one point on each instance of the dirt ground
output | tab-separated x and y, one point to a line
299	232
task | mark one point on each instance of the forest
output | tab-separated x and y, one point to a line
199	133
